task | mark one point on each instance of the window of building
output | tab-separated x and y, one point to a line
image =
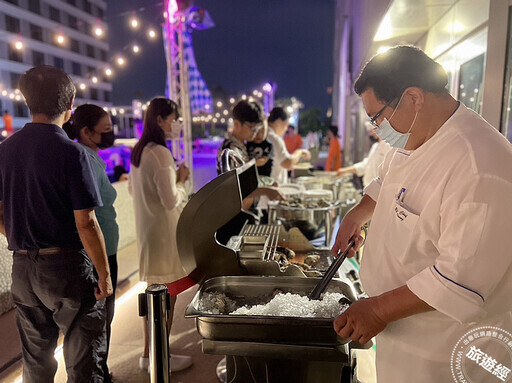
72	2
76	68
90	51
15	54
15	79
91	70
34	6
103	55
58	62
72	22
15	2
36	32
99	12
93	93
54	14
20	109
75	45
87	6
86	28
79	93
106	96
37	58
12	24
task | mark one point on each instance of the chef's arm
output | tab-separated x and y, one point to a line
351	226
367	317
2	225
400	303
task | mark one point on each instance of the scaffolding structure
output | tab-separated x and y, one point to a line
177	81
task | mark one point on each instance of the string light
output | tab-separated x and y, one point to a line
135	48
98	31
60	39
4	93
134	22
120	61
151	33
219	104
82	86
94	79
244	97
232	100
225	113
108	72
18	45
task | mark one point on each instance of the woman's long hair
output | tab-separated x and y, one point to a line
87	115
152	132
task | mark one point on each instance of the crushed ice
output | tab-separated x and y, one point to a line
282	304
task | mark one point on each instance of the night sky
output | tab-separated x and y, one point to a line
289	42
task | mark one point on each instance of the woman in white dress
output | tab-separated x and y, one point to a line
158	192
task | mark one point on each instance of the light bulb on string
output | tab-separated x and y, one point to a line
232	100
94	79
121	61
135	48
18	45
82	86
134	22
98	31
151	33
60	39
108	72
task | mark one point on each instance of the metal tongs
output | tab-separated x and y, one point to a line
329	274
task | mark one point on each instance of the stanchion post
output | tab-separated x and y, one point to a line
155	304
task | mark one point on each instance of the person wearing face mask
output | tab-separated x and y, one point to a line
91	126
158	193
436	263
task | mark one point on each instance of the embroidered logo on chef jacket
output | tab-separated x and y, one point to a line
401	210
483	354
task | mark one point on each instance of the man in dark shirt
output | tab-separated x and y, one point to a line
47	198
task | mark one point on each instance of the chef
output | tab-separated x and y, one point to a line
437	263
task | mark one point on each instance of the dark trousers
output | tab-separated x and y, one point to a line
110	306
56	292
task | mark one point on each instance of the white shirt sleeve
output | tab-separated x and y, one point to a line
281	154
170	193
361	165
474	253
373	189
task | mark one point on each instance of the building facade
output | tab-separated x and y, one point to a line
69	34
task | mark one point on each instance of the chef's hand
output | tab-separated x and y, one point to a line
361	321
306	154
104	288
349	229
272	194
182	173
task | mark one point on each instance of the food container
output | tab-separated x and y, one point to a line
268	329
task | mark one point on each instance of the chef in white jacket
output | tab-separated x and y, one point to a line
437	263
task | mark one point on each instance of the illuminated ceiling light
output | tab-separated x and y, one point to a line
230	120
255	92
219	104
4	93
98	31
144	107
260	95
134	22
244	97
18	45
17	97
207	106
217	115
151	33
16	91
225	113
11	96
121	111
82	86
4	133
108	72
105	109
60	39
135	48
289	109
455	27
223	120
385	30
383	49
120	61
232	100
94	79
214	120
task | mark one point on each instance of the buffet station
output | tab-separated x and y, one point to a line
253	304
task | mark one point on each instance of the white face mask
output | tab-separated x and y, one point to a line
387	133
175	132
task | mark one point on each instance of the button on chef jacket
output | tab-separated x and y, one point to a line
447	237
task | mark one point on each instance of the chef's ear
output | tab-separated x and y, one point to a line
415	96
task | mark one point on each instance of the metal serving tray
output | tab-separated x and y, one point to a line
270	329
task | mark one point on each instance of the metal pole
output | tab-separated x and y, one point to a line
155	304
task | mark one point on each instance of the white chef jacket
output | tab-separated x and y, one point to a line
279	154
156	202
368	168
446	237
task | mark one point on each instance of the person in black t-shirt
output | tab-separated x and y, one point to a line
48	193
261	150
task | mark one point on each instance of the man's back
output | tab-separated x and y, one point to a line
41	184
